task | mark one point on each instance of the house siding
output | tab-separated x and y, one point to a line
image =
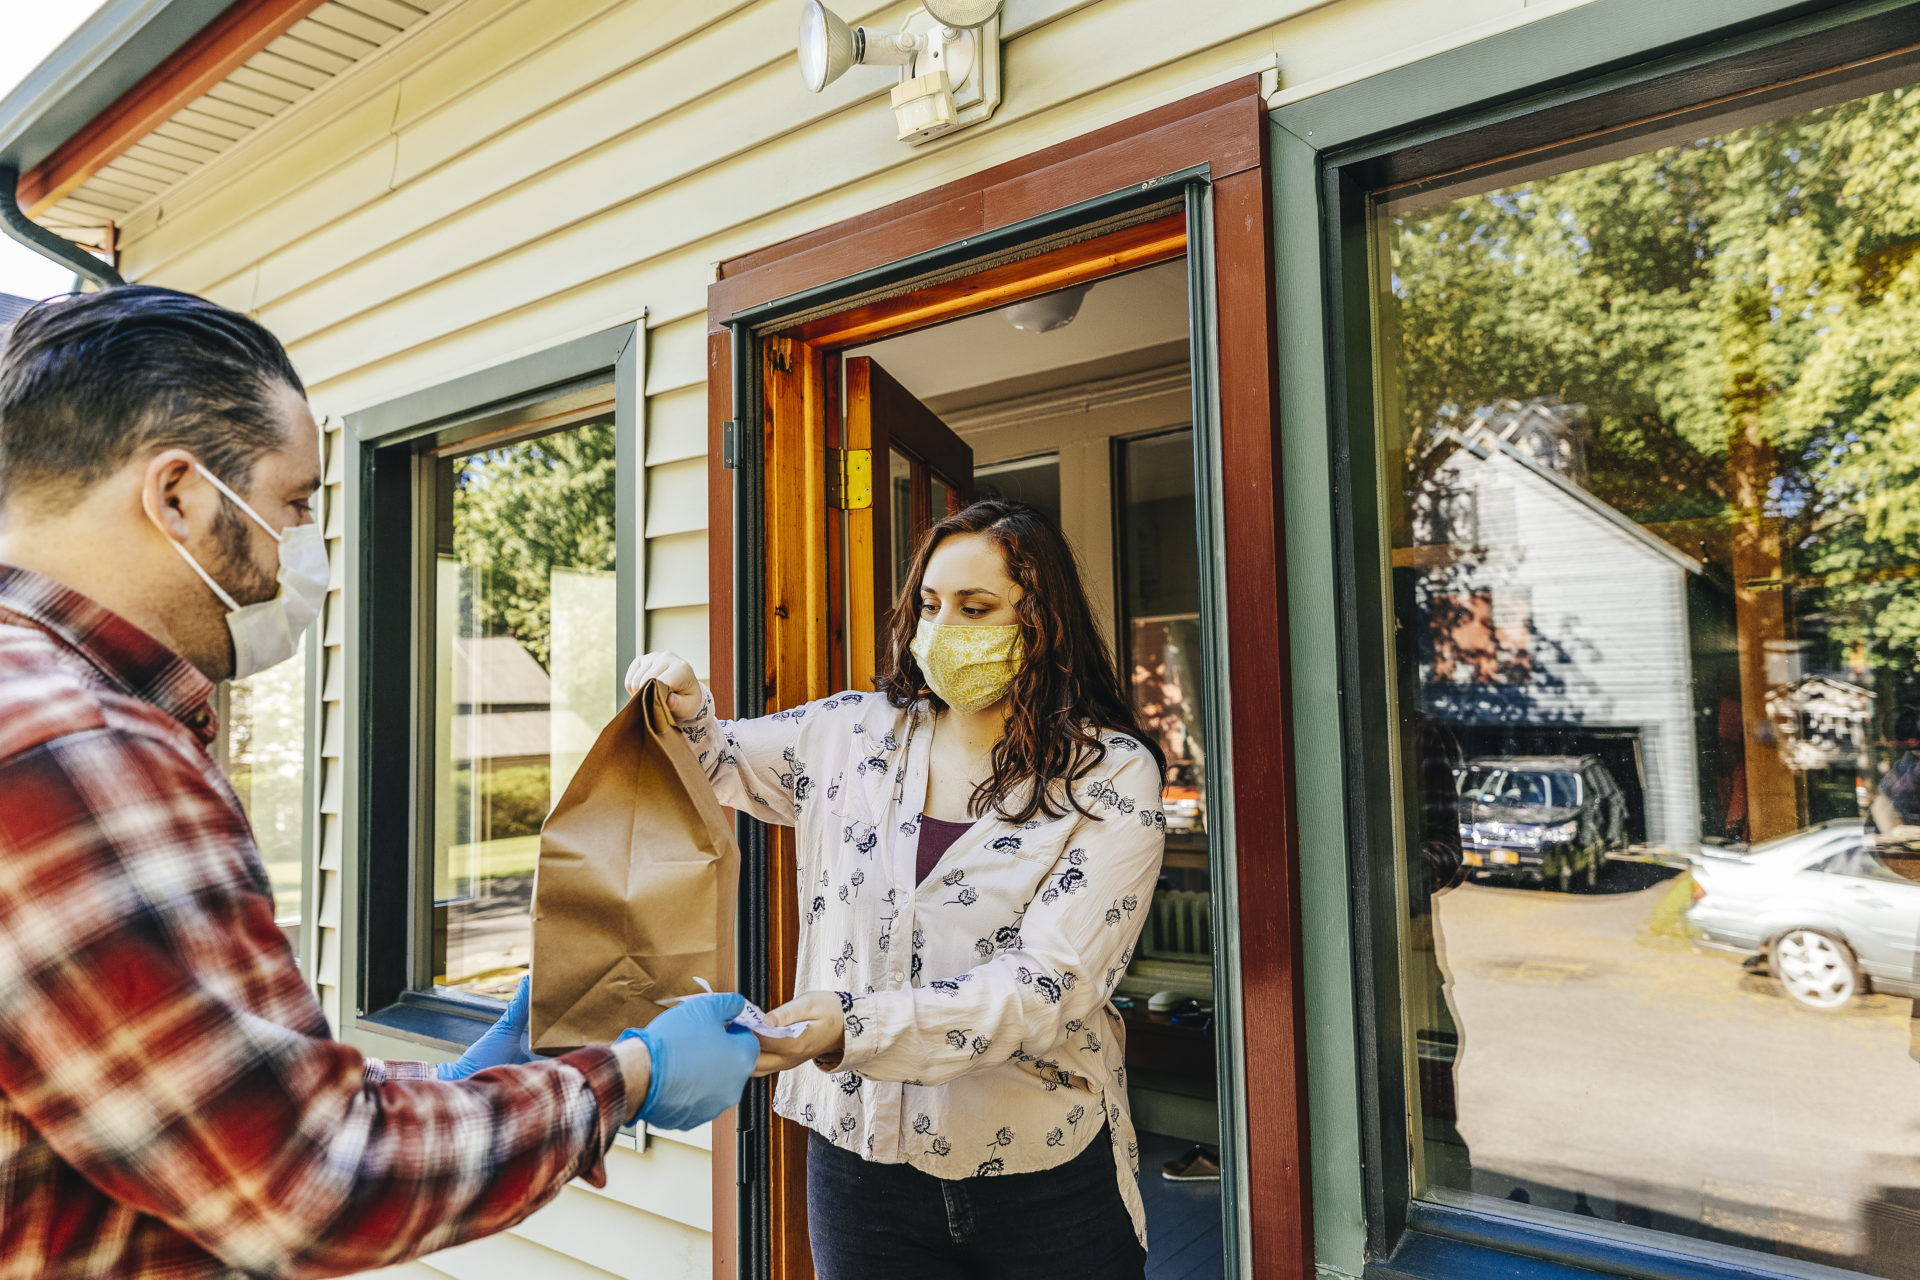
508	175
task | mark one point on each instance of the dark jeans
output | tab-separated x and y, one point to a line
890	1221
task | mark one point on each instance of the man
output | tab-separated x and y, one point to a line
171	1103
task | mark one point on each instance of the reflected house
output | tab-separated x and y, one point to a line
1553	623
502	704
503	708
1822	723
512	745
512	748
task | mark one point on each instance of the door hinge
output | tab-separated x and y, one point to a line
850	479
730	444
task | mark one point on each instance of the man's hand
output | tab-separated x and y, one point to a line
700	1062
501	1045
684	694
824	1040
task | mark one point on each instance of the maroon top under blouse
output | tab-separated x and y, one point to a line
936	837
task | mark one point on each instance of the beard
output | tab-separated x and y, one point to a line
238	572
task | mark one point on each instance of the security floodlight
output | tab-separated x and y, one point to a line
828	46
948	52
962	13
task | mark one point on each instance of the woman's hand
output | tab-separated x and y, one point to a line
824	1038
684	694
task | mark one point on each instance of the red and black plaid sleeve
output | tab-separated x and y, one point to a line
170	1101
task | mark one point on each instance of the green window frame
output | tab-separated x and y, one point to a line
1603	66
391	465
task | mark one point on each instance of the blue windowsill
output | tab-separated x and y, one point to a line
438	1022
1446	1243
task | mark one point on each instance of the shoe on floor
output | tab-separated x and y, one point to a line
1198	1165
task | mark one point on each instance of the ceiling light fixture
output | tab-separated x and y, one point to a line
1049	311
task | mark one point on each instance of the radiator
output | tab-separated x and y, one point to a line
1179	925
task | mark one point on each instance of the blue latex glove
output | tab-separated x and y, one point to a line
701	1062
502	1045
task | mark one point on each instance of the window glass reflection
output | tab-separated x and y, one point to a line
1034	481
905	535
1161	595
1653	436
525	678
263	746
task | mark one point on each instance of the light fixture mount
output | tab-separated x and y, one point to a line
962	13
948	55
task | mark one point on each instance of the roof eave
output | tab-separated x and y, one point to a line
111	52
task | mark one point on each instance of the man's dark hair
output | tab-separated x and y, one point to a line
89	381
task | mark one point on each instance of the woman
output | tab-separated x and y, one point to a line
977	843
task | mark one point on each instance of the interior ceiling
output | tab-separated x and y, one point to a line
1129	322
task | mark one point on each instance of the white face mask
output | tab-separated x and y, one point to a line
268	633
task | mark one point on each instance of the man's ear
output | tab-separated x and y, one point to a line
165	483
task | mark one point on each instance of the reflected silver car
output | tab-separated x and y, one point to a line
1831	918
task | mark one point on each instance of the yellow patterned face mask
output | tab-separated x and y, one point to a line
969	667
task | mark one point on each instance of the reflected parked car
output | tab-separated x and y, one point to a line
1550	817
1829	915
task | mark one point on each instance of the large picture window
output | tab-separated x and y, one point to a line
1650	431
524	677
491	637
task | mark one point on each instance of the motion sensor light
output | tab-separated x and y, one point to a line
961	13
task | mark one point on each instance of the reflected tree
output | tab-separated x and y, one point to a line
524	509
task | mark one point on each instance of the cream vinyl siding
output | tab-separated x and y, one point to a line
502	176
674	589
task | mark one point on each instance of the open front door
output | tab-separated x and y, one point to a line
918	472
847	495
1120	199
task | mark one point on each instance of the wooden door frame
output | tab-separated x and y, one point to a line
1220	136
882	416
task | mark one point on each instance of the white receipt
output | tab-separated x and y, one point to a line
750	1017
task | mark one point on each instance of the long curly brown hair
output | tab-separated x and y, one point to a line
1066	692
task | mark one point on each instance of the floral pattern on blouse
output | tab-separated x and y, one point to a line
980	1034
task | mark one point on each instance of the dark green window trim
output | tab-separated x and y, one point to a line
1604	65
382	933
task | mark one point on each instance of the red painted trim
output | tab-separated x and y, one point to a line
1213	132
1267	824
1225	129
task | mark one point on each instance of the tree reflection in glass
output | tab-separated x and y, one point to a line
1653	427
525	679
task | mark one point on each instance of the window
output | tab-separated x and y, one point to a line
1652	520
263	748
1161	646
524	677
497	611
1034	481
1860	862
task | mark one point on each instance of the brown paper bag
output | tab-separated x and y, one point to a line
634	895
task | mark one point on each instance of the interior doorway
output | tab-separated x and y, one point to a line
1079	403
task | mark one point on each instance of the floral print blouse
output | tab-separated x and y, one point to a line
980	1037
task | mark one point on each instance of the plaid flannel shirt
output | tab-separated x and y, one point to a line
171	1102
